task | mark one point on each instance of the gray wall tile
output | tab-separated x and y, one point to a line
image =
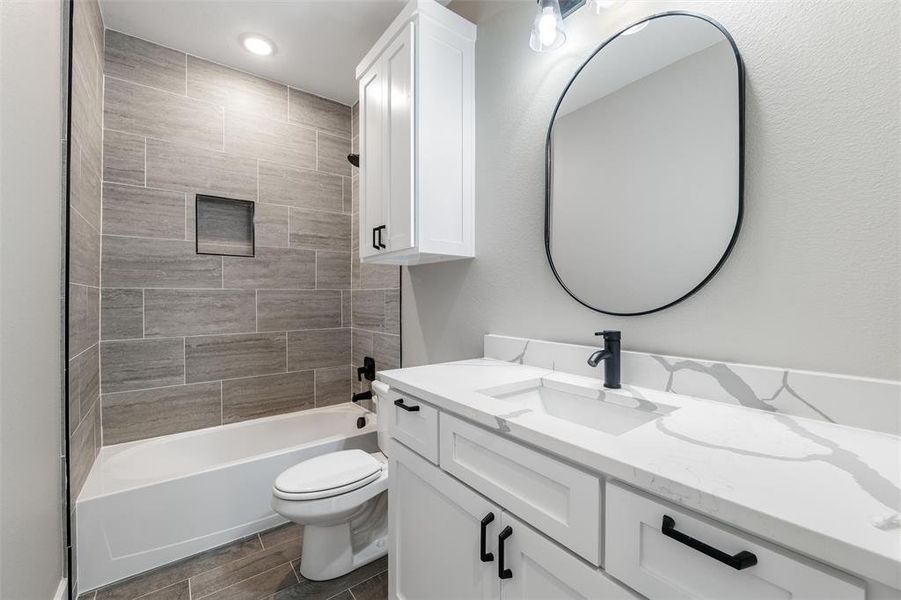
178	167
392	311
320	230
150	112
346	320
84	251
138	364
346	198
121	314
129	210
149	263
236	90
275	268
84	318
268	395
318	348
84	188
333	385
224	226
386	350
131	58
379	276
198	312
84	388
270	140
209	358
300	188
123	157
81	452
281	310
332	154
320	113
361	345
129	416
369	309
332	270
271	225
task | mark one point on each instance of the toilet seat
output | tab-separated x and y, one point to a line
328	475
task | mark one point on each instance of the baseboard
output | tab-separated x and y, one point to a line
62	592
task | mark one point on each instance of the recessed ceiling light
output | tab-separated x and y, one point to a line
257	44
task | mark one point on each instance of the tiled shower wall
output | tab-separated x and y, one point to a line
84	240
376	296
191	341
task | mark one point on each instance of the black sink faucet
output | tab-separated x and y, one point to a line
610	355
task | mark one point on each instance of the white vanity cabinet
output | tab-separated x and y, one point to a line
417	155
449	542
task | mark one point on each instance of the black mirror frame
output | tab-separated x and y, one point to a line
739	64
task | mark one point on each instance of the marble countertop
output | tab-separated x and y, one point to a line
829	491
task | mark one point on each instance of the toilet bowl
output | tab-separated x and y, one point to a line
341	500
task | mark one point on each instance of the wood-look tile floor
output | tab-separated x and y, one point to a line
264	566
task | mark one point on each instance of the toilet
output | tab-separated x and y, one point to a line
341	500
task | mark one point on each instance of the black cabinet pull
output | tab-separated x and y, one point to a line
400	404
485	556
502	572
742	560
381	228
374	243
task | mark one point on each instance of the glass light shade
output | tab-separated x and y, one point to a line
547	28
599	6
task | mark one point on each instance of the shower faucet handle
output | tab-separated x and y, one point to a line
367	370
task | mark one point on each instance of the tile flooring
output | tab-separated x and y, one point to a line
264	566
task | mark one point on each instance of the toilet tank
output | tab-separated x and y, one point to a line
379	394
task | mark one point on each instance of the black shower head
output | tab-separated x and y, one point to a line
354	159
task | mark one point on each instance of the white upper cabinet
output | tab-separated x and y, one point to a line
417	155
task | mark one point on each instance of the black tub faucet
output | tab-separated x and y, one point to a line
610	355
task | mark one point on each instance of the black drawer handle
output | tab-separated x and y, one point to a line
374	243
485	556
503	572
379	229
742	560
400	404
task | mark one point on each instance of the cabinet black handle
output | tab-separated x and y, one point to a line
502	572
400	404
742	560
485	556
380	228
374	243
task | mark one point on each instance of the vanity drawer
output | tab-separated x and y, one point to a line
640	555
414	424
553	497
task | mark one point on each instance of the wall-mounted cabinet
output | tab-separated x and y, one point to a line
417	155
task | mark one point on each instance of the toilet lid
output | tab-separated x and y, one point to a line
339	472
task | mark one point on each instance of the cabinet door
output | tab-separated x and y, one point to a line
399	73
542	570
373	119
434	534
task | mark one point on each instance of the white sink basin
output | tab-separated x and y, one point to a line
613	412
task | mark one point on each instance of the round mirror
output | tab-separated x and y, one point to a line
644	166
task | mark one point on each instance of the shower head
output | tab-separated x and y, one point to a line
354	159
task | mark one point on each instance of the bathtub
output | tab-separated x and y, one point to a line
152	502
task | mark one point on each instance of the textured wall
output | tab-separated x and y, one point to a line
814	280
192	341
31	126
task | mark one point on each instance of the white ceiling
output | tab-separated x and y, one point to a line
319	42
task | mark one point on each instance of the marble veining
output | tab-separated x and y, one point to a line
857	401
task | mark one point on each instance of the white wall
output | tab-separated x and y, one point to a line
814	280
31	537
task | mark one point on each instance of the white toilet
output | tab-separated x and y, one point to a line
341	500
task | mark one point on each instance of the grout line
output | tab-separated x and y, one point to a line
293	570
143	315
184	360
221	404
191	593
145	161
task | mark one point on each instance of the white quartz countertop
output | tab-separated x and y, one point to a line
829	491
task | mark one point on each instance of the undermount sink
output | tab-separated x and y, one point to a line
613	412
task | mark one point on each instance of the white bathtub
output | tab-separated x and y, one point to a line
151	502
